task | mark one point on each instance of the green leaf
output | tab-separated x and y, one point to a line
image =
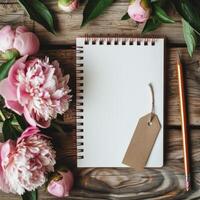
161	14
94	9
5	67
190	37
57	127
9	130
125	17
33	195
21	122
189	12
151	24
39	12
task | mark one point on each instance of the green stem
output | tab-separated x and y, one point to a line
196	32
2	115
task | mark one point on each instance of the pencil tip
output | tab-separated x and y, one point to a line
187	183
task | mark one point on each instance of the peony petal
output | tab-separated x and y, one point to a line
32	130
6	29
7	149
58	94
7	36
7	90
50	84
22	96
28	117
21	29
14	106
67	77
43	124
32	62
19	64
3	185
56	189
68	180
26	43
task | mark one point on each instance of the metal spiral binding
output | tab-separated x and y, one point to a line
92	40
79	102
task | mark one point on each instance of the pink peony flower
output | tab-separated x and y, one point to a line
37	89
139	10
68	5
61	184
20	39
26	162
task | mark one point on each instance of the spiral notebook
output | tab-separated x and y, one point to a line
112	94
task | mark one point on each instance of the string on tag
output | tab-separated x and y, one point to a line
152	105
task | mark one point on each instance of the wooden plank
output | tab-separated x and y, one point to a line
192	82
13	14
125	183
114	183
68	26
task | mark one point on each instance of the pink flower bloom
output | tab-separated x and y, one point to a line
25	163
20	39
37	89
139	10
61	184
68	5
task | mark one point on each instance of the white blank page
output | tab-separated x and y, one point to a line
115	95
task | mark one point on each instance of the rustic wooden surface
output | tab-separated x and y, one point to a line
121	183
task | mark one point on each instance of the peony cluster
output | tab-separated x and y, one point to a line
25	42
37	89
25	163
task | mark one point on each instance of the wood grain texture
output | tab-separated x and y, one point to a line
13	14
125	183
68	26
120	183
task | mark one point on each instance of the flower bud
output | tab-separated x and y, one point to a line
25	42
61	183
139	10
68	5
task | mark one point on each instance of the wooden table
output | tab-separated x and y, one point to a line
114	183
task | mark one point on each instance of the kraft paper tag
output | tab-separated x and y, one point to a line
142	142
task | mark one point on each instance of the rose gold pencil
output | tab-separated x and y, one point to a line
183	122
